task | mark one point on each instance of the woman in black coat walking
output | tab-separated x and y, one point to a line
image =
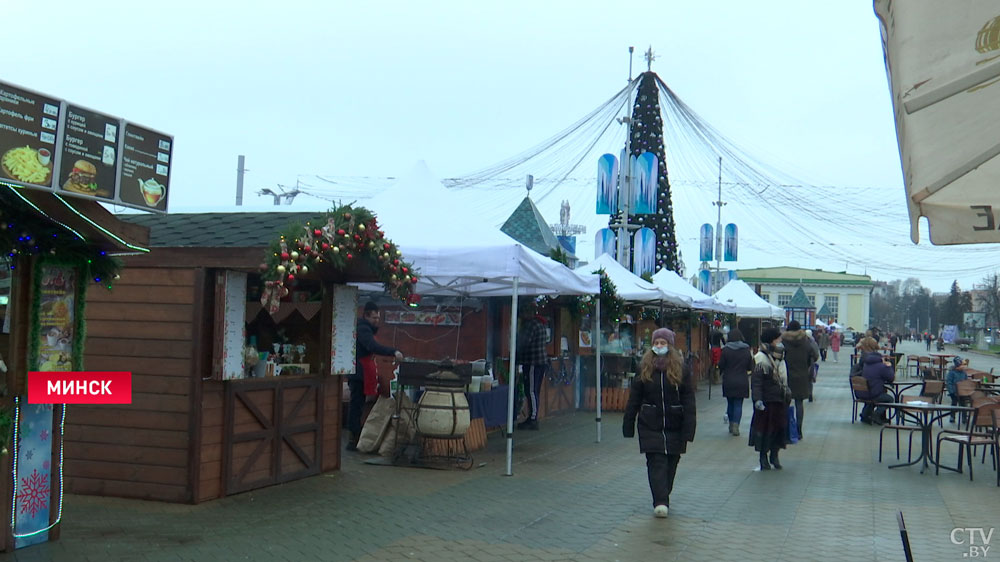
770	394
735	364
662	399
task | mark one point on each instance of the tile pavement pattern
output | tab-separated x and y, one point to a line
571	499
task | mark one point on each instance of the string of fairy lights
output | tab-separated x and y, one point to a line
778	215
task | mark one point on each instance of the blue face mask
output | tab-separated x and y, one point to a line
661	350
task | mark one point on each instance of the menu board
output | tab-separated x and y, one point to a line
50	143
145	171
89	153
343	340
28	125
56	318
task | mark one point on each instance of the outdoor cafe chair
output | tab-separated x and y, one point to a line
978	433
924	364
900	425
913	362
996	441
859	384
964	390
933	392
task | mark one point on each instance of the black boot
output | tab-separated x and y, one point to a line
774	459
352	444
763	462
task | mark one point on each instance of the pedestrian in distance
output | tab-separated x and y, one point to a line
835	343
661	403
800	355
823	341
771	395
735	364
716	339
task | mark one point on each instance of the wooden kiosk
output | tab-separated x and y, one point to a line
211	417
55	254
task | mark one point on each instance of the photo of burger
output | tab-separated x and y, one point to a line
83	179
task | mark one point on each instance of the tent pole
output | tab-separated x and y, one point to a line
597	332
511	381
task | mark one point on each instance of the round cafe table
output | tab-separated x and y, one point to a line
925	414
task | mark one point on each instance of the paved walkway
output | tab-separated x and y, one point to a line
573	499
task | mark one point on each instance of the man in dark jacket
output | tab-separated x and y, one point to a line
367	348
800	355
877	372
735	364
532	339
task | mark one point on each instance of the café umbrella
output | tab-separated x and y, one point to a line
943	64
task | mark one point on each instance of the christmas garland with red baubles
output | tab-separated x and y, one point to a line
350	235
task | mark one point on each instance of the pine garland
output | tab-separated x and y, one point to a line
350	235
24	232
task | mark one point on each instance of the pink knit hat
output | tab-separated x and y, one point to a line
665	334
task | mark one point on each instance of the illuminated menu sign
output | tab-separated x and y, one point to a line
28	127
89	153
51	144
145	171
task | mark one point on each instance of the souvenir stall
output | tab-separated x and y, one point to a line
56	254
237	328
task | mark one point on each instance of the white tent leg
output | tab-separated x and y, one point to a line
511	380
597	338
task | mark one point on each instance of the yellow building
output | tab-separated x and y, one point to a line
846	296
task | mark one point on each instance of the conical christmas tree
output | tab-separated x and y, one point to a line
647	136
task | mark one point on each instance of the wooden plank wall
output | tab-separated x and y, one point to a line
212	428
144	325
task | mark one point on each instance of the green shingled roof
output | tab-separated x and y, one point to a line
212	230
800	300
824	311
527	226
801	276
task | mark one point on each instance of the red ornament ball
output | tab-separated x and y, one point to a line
291	278
395	262
356	237
413	280
350	256
284	256
317	232
405	270
386	246
325	246
340	231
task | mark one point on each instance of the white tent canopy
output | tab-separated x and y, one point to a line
746	302
943	66
455	254
628	285
674	285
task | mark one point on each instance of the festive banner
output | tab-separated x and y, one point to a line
604	243
706	243
644	175
423	317
705	281
732	242
644	252
34	474
607	184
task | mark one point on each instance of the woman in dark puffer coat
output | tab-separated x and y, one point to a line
735	365
662	400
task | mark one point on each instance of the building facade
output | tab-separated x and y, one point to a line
847	297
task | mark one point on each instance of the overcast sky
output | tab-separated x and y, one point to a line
366	89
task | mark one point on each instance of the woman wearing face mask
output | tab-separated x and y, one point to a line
770	394
662	399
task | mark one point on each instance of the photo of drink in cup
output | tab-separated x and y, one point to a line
152	191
